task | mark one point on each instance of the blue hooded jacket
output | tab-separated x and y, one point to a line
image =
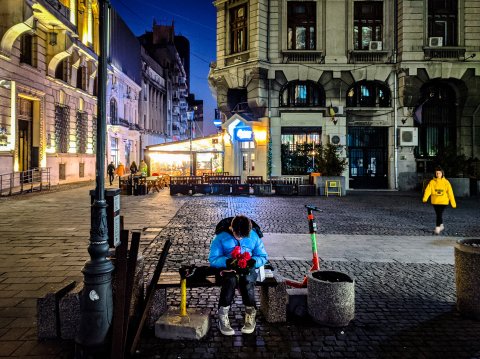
224	243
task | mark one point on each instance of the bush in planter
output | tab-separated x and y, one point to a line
328	161
454	164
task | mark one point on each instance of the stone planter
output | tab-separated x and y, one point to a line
460	186
467	277
331	298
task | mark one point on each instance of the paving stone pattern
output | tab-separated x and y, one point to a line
402	310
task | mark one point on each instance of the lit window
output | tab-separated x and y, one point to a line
367	23
301	25
368	94
302	93
442	20
238	29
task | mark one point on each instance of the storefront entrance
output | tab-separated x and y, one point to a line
368	157
24	144
247	162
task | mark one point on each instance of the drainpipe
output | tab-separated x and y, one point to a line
395	104
473	129
268	31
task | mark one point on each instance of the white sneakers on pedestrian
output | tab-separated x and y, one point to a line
438	229
250	323
224	322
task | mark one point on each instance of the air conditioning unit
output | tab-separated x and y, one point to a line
435	41
408	136
375	46
336	139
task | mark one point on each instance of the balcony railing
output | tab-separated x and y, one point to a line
296	56
444	53
363	57
62	9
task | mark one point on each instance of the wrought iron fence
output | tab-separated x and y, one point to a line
35	179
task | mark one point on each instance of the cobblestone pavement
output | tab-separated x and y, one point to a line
403	310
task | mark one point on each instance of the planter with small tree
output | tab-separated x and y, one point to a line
331	165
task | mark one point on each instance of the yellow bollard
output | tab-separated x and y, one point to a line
183	297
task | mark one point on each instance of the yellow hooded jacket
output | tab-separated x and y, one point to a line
440	191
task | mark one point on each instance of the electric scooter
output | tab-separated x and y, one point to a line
312	226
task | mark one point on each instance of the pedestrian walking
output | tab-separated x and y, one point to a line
441	195
143	168
237	251
133	168
120	169
111	172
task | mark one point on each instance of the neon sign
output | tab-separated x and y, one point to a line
243	134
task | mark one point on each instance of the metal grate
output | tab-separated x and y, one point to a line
82	131
62	171
62	128
359	56
94	134
81	170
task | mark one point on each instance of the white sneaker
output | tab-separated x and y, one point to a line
224	322
442	227
437	230
250	323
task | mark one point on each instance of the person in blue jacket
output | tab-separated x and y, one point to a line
231	233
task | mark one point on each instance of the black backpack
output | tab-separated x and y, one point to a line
224	226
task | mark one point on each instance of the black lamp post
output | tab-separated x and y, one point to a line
190	118
96	304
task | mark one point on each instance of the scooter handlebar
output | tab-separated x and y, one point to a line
313	208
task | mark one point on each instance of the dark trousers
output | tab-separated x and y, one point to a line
439	208
246	285
111	177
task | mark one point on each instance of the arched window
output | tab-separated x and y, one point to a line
302	94
113	112
368	94
436	119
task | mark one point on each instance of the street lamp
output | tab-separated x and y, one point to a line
96	304
190	118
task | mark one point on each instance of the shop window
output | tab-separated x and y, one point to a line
114	155
298	149
82	78
368	94
367	23
61	71
437	130
82	131
302	94
113	112
238	29
442	20
62	128
301	25
27	49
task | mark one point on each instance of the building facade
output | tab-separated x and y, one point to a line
123	94
48	89
160	46
48	68
393	83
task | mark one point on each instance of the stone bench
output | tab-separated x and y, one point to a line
273	296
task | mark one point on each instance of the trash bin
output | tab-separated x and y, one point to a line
331	298
467	278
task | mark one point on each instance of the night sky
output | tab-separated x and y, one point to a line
194	19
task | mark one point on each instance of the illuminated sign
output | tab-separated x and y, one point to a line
243	134
217	122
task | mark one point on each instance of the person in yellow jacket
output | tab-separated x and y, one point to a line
441	195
